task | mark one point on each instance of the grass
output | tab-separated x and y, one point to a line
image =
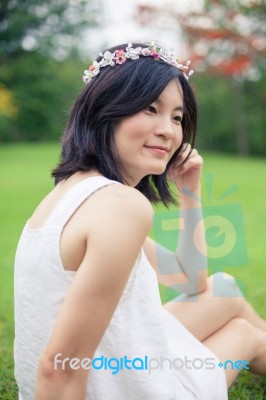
25	179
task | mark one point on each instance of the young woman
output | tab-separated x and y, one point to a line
88	315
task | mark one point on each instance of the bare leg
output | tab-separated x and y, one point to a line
206	313
239	340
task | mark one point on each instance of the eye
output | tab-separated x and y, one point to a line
151	109
178	118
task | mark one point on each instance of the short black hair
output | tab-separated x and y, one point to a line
117	92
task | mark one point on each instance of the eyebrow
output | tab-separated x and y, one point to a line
178	108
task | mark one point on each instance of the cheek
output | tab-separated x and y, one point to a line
128	137
136	128
178	137
132	130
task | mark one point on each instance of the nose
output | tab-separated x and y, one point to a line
165	127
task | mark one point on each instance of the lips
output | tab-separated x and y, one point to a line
159	147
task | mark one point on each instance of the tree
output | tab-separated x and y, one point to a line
228	39
43	90
39	59
52	27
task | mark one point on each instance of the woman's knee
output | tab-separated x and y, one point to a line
224	285
253	337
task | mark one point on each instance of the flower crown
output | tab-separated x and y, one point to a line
131	53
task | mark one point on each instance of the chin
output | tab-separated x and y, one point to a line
157	171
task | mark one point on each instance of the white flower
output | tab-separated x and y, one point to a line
128	46
134	56
108	58
108	55
132	53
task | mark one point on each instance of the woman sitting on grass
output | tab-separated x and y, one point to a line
88	316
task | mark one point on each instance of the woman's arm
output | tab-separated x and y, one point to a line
186	268
117	228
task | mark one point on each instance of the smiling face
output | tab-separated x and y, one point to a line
146	141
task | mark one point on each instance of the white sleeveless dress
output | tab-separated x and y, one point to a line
140	326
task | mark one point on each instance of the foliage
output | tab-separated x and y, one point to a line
43	90
217	110
41	67
228	37
7	104
52	27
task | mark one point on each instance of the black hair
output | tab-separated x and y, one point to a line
118	92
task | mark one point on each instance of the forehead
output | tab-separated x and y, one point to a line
172	93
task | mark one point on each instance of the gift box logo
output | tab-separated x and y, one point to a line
224	230
225	236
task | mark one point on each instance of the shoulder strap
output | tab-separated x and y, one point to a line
74	197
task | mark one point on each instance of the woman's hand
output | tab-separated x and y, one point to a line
187	176
191	245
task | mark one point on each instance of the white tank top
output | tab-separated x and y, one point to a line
137	329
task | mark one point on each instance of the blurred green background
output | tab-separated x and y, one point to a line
42	57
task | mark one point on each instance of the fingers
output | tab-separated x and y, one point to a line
189	160
194	161
190	157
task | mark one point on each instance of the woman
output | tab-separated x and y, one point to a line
89	320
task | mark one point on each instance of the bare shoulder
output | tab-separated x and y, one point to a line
121	200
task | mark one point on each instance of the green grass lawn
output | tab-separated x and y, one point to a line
25	179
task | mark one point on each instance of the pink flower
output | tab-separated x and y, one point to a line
155	55
146	52
120	57
91	68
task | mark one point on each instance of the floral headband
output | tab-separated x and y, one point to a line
131	53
